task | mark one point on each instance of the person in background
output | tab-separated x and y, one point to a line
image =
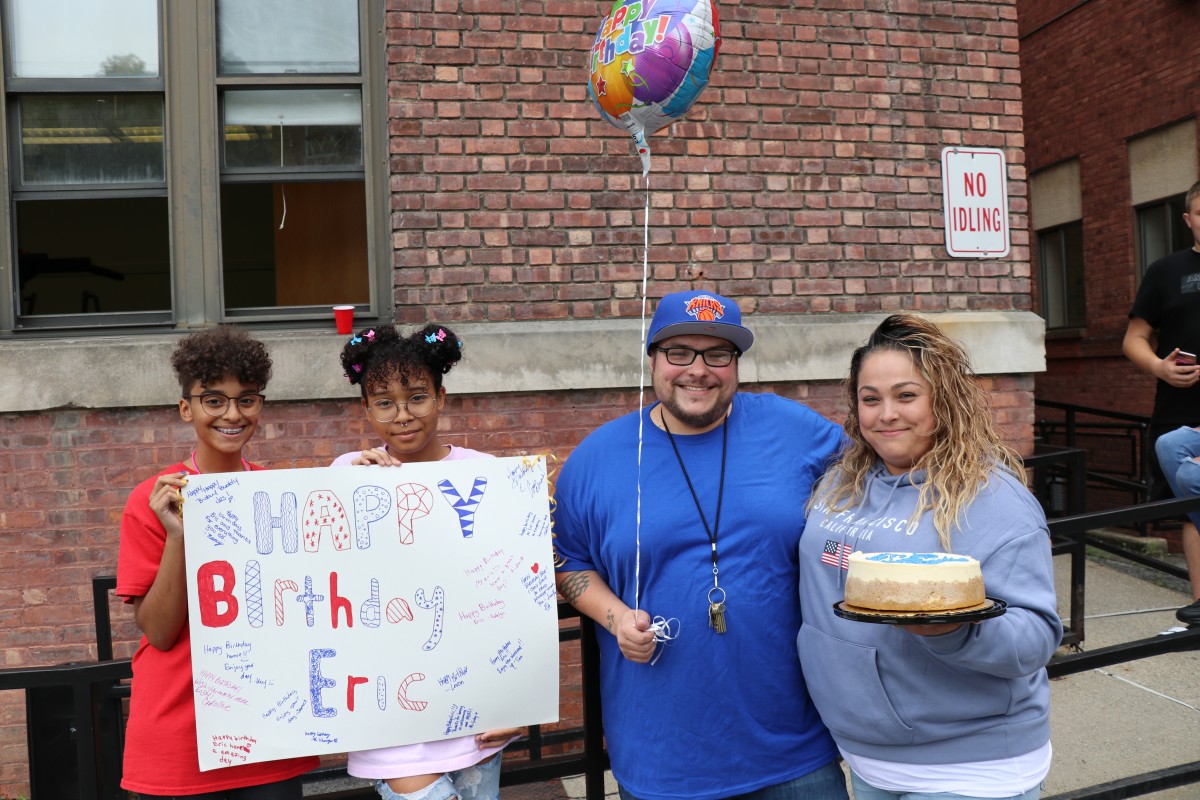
1179	456
1162	339
400	379
222	373
691	510
945	710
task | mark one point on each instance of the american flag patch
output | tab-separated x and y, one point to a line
835	554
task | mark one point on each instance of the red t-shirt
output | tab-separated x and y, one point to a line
160	737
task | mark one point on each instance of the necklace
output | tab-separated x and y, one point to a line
195	466
716	607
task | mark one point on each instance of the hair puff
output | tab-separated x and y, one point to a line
375	357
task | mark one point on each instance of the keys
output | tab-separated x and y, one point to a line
716	616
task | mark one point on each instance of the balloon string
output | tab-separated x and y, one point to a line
637	567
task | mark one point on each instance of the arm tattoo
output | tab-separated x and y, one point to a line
575	584
611	622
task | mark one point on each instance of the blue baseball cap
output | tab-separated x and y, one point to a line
703	313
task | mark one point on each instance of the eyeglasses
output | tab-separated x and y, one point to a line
215	403
683	356
385	410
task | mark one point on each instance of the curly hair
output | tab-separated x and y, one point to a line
965	443
214	354
374	357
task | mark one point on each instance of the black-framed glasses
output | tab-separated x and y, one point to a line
681	356
386	410
215	403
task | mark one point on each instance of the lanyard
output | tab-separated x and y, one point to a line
716	608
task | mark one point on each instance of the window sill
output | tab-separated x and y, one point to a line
558	355
1059	334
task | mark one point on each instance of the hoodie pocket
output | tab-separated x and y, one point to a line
843	681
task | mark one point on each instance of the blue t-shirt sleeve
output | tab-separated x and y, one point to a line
831	440
571	538
822	441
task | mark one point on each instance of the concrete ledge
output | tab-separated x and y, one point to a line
1155	546
133	371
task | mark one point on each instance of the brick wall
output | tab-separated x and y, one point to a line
66	476
805	180
1095	75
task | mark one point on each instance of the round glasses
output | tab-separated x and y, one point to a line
385	410
215	403
680	356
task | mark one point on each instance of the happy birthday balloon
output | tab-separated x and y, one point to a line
650	61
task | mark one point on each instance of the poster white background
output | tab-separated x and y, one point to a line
349	608
975	202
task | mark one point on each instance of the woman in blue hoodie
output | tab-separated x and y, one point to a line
949	710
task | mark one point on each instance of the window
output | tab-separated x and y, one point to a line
129	121
1162	165
1160	231
1056	213
1060	256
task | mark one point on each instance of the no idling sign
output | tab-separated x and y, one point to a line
975	202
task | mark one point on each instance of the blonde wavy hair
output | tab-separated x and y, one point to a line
965	444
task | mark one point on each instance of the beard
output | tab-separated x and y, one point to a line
701	419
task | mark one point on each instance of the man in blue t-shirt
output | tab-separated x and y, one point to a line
678	526
1163	339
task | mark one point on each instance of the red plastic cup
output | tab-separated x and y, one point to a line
344	317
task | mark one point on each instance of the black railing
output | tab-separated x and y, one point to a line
1073	535
1059	478
74	727
1116	443
75	724
74	711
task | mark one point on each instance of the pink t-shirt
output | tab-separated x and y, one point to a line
455	454
427	758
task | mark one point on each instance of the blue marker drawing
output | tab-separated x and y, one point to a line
368	612
254	601
438	605
370	503
465	508
308	598
265	524
317	682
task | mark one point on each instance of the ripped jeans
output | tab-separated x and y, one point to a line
477	782
1177	452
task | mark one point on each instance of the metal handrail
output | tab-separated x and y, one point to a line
1136	481
89	684
1094	412
1076	532
1071	534
105	679
1129	515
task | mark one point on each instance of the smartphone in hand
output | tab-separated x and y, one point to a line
1185	359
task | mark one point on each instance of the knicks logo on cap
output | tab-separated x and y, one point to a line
705	308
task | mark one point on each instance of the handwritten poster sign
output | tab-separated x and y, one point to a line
349	608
